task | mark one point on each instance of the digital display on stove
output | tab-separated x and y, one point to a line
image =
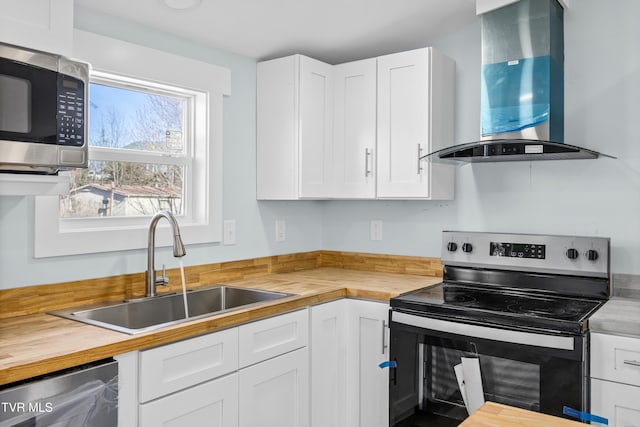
517	250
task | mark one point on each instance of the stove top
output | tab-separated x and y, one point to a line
517	281
510	308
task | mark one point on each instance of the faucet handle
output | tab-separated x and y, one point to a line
163	280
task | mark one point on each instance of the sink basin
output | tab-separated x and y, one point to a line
148	314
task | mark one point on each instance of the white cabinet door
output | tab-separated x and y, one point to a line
212	404
277	128
275	393
354	132
407	128
38	24
294	124
316	117
328	371
368	385
619	403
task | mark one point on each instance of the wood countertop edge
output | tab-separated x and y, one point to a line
493	414
119	343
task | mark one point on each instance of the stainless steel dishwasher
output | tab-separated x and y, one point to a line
86	396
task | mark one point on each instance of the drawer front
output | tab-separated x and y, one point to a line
619	403
615	358
172	367
264	339
212	404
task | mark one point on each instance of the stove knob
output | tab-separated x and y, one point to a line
592	255
452	246
572	253
467	247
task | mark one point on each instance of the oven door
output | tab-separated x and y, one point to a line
528	370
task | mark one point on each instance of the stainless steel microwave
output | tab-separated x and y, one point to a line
43	111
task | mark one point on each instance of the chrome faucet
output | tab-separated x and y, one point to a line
178	250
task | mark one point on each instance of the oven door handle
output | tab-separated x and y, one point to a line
484	332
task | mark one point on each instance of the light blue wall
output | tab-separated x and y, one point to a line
255	221
586	197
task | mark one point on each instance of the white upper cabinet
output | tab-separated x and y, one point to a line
355	130
294	124
415	117
45	25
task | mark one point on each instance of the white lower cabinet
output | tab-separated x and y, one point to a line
615	379
619	403
368	383
328	371
314	367
275	393
212	404
349	339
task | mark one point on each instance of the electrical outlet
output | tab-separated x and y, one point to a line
376	229
229	237
281	230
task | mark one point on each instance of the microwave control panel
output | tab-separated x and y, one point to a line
71	111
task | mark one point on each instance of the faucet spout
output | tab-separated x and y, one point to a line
178	250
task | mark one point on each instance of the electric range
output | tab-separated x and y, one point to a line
521	304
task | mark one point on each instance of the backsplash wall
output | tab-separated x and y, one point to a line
587	197
583	197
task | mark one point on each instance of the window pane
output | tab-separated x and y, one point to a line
109	188
138	120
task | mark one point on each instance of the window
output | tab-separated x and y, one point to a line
155	142
141	151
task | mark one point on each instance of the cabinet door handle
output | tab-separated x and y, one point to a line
367	154
632	362
384	337
419	163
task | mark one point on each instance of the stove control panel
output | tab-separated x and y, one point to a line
520	250
575	255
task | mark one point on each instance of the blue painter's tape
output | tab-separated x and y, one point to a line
388	364
584	416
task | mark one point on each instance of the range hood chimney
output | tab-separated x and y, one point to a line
522	93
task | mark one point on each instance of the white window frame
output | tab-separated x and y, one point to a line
202	220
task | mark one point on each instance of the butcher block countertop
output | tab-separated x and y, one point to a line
496	415
36	344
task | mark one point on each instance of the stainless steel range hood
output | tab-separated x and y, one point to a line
522	93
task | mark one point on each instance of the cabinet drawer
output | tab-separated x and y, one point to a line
213	404
271	337
619	403
172	367
615	358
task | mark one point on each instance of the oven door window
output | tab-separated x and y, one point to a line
508	381
28	102
534	378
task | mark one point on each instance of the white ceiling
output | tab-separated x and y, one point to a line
330	30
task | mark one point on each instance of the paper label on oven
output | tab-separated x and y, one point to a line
472	383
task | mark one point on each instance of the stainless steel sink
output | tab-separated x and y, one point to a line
152	313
